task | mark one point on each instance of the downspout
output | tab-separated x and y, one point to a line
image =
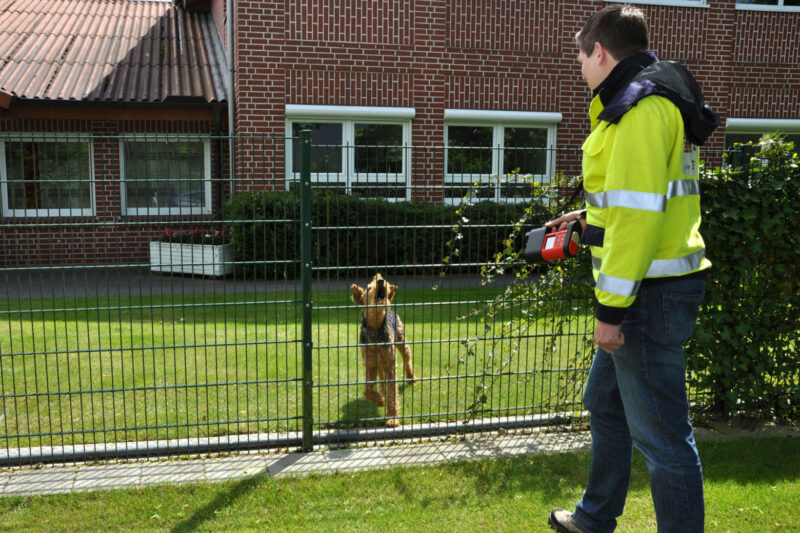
229	9
218	190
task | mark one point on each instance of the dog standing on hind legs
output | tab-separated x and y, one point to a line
382	332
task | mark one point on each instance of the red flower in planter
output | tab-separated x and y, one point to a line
195	236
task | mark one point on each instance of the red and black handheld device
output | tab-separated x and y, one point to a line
548	244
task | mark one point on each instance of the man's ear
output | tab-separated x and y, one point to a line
390	292
605	57
358	294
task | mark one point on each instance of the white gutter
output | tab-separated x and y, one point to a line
761	125
516	117
353	112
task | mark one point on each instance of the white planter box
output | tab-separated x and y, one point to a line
203	259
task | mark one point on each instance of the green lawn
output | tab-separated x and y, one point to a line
81	370
752	485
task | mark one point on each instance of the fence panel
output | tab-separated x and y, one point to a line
117	339
152	304
470	374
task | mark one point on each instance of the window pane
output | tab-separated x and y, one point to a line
525	150
164	174
326	146
758	2
740	138
378	149
48	175
474	152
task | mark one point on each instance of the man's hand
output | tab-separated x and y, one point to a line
562	221
609	337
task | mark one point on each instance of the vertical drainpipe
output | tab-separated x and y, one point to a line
217	179
229	10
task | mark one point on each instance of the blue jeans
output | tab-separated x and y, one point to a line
637	397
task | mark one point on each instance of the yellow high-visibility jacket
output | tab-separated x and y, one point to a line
643	202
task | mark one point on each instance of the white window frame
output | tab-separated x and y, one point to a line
149	211
46	137
675	3
348	117
761	7
498	121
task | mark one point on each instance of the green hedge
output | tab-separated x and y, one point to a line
351	233
745	350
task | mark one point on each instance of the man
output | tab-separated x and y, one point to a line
648	258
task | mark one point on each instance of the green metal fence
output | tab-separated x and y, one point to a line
150	304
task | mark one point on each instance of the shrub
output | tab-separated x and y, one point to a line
352	233
744	352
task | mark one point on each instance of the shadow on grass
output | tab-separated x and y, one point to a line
558	477
224	499
358	413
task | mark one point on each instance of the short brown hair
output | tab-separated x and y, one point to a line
620	28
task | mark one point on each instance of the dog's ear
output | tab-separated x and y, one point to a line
390	292
358	294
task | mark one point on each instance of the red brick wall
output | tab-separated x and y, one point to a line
499	55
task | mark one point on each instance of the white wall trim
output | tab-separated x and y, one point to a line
761	125
349	112
507	117
676	3
764	7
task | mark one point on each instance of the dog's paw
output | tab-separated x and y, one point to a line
393	422
411	380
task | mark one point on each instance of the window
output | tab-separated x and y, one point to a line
516	147
46	176
165	176
744	130
362	151
769	5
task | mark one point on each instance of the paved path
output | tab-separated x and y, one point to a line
83	477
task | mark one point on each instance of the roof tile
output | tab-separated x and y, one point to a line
109	51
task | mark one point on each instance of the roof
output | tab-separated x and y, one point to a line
109	51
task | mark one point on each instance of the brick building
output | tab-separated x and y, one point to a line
491	81
459	73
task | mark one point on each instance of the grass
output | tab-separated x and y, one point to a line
82	370
752	484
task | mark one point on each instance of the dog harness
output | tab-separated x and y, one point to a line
380	335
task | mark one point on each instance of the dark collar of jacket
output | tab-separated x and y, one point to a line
642	75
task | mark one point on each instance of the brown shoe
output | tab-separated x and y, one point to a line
562	521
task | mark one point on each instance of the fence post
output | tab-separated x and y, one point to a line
305	276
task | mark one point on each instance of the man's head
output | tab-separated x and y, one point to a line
609	36
621	29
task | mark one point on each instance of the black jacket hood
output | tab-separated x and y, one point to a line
643	75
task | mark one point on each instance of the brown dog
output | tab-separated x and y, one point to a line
382	332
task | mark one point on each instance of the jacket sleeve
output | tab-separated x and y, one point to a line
634	197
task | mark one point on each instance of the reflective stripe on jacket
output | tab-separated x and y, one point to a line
643	202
